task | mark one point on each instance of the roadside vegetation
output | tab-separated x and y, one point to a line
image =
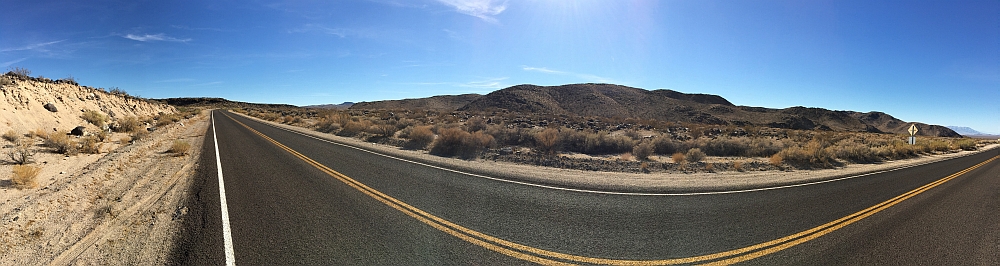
640	145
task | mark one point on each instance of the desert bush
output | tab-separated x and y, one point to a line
179	148
419	137
38	132
164	119
677	157
354	128
966	144
709	167
626	156
11	136
603	143
643	151
327	125
855	153
695	155
725	146
90	145
25	176
547	140
102	135
475	123
813	154
127	124
94	117
383	130
20	72
510	136
665	146
455	141
738	166
287	119
776	159
21	152
60	143
939	145
763	148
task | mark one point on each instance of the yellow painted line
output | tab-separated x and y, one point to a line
518	250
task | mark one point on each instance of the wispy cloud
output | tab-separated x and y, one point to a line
174	80
483	9
339	32
207	84
153	38
35	46
588	77
487	83
8	63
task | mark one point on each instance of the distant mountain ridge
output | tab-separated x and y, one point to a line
341	106
966	131
609	100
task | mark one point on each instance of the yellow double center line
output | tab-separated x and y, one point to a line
542	256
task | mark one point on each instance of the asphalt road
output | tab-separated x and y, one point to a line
316	203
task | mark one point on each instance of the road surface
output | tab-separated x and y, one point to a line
293	199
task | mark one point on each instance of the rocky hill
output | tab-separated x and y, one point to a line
39	103
608	100
436	103
341	106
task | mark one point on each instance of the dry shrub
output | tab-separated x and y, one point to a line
809	156
90	145
777	159
94	117
383	130
60	143
287	119
124	140
627	156
664	146
40	133
326	124
179	148
644	167
455	141
547	140
475	124
419	137
643	151
164	119
139	135
695	155
710	167
11	136
102	135
855	153
127	124
21	152
25	176
738	166
966	144
677	157
354	128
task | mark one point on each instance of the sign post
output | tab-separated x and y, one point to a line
913	131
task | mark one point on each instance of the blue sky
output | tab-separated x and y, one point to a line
929	61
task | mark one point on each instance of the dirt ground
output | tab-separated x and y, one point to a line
120	207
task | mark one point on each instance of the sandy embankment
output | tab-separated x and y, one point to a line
629	182
117	208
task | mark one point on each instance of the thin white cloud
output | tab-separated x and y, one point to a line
587	77
153	37
8	63
339	32
36	46
482	9
208	83
174	80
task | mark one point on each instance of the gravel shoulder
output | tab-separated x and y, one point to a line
630	182
122	207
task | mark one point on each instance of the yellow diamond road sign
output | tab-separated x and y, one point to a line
913	130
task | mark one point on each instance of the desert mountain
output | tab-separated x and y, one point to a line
436	103
219	103
608	100
966	131
40	103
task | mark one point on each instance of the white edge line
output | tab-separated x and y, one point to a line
612	192
226	232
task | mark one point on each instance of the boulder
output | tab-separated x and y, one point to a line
51	107
78	131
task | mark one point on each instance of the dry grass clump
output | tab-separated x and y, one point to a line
695	155
11	136
738	166
677	157
38	132
353	128
127	124
382	130
776	160
60	143
966	144
179	148
138	135
163	119
90	145
94	117
455	141
25	176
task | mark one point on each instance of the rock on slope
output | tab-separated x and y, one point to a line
24	98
